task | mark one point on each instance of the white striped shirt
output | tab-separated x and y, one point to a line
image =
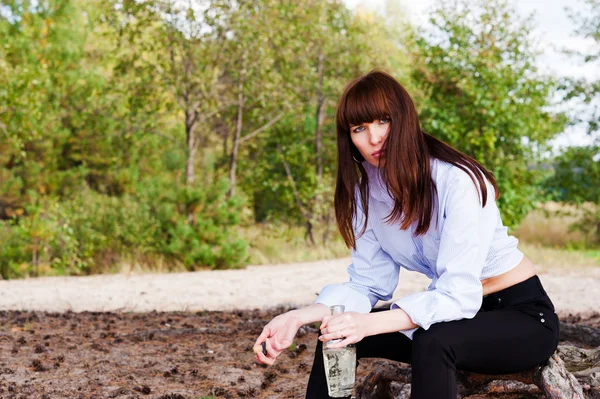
468	245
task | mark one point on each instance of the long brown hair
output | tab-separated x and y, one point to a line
406	171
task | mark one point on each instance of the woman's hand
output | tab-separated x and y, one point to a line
351	326
278	335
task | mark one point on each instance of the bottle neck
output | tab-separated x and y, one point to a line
335	310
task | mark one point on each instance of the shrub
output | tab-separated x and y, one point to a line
91	231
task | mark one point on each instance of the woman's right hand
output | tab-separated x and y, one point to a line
278	335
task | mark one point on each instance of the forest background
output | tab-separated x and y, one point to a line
182	135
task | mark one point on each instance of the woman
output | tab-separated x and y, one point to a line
406	199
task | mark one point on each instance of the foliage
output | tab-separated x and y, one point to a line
584	89
348	46
575	181
64	237
577	170
103	106
126	126
483	94
576	176
83	233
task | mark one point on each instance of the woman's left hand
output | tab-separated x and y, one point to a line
351	326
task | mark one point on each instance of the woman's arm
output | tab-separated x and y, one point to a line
388	321
311	313
465	241
373	274
464	244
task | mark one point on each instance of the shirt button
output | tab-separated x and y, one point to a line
499	300
541	314
542	320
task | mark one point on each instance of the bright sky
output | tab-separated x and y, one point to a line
554	29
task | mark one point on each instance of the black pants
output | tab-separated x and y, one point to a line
515	330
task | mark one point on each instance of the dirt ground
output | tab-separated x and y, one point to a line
171	355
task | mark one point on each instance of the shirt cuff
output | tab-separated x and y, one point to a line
339	294
409	333
412	304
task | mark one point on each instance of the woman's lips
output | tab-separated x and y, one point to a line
377	154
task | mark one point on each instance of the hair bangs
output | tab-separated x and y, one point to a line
365	103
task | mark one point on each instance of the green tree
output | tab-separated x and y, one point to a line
575	181
183	46
483	94
261	42
289	171
588	27
90	161
38	56
69	115
577	169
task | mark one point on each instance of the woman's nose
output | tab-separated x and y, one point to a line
377	134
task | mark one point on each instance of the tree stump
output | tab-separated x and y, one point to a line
580	333
554	379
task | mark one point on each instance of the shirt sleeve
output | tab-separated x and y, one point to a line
465	241
373	274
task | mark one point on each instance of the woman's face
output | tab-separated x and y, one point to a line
369	138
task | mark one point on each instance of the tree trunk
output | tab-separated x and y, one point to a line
236	138
190	124
580	333
318	139
191	147
225	142
563	376
320	116
308	236
326	221
238	128
305	214
35	257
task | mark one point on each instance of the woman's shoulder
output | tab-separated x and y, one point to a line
452	178
444	172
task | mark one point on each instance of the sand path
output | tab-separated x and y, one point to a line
572	291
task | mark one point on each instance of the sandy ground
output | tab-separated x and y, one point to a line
572	291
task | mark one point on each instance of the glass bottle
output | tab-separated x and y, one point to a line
340	364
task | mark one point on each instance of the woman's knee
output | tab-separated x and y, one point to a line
431	345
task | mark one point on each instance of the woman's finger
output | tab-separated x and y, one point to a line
261	358
271	352
266	333
334	325
341	344
260	349
336	334
333	321
269	358
264	360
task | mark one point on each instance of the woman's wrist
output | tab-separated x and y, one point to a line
387	321
310	314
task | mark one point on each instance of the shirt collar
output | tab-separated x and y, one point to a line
377	188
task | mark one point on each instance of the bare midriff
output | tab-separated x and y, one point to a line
524	270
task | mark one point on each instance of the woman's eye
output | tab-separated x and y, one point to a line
356	129
385	120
